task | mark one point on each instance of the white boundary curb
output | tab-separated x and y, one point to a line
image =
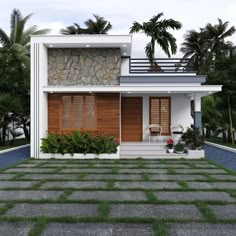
221	147
14	148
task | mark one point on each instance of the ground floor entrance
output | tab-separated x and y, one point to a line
131	119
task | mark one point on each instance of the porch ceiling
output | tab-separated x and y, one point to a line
204	90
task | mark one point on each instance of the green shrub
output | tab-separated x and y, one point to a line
193	138
78	143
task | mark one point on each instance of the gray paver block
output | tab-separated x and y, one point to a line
224	177
162	171
210	185
51	176
147	185
16	184
108	195
74	184
177	177
107	165
92	170
194	195
6	176
15	228
205	166
26	165
198	229
192	171
28	194
53	210
113	176
224	212
98	229
56	165
167	166
30	170
172	211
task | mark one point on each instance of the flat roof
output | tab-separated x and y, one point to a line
123	42
187	89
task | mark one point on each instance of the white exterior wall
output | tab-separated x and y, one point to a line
180	110
39	105
124	67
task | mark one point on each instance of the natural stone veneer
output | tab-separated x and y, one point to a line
80	66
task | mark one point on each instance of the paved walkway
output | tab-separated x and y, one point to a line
12	157
223	157
92	197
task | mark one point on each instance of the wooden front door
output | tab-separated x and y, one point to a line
131	119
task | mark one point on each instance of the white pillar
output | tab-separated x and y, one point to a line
197	111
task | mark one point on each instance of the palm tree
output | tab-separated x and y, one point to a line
99	26
18	34
73	29
195	47
157	30
217	35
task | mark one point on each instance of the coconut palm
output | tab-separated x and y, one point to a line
217	35
157	30
99	26
74	29
195	47
18	34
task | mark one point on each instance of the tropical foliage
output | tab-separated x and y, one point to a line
97	26
213	55
14	76
78	143
158	31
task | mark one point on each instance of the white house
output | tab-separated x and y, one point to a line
91	83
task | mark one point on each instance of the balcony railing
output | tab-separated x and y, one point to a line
160	65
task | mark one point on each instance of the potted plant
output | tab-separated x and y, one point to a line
179	148
170	145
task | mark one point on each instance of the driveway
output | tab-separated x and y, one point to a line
115	198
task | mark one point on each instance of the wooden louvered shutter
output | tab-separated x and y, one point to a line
154	111
66	112
160	113
89	112
78	103
53	113
165	115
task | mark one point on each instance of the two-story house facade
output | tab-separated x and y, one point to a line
90	83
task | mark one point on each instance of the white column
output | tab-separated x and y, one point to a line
197	102
197	111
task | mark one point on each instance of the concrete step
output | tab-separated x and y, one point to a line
156	156
142	152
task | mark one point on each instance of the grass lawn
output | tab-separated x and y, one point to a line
17	142
219	141
117	197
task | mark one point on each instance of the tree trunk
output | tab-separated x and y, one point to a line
224	136
231	131
4	133
26	132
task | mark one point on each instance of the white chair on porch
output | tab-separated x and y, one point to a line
176	131
154	130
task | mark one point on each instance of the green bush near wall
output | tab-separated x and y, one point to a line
77	142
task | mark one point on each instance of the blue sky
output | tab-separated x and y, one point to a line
55	14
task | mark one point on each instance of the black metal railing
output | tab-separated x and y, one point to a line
160	65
